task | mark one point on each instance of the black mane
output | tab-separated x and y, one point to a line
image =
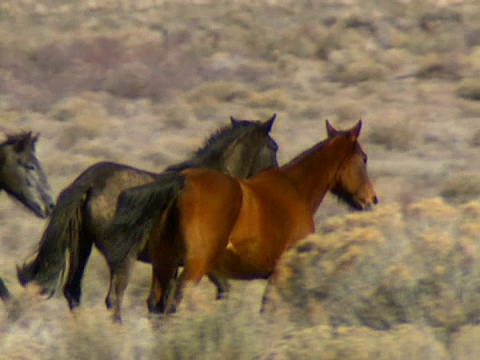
22	137
215	145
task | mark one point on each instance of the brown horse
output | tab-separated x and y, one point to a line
232	228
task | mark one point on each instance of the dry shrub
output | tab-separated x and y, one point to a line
348	111
321	342
274	99
219	329
465	345
476	139
386	268
393	135
461	187
302	41
360	71
83	120
469	89
129	80
254	72
448	67
222	91
396	58
178	113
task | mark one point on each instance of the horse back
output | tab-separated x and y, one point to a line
107	180
271	219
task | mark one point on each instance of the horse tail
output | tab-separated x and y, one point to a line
138	208
62	233
4	293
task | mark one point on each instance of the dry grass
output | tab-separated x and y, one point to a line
144	83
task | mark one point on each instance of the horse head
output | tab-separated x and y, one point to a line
253	151
22	176
352	184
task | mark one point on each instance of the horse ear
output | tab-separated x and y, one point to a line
355	131
33	140
267	125
22	142
331	131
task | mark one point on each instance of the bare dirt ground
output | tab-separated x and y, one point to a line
144	83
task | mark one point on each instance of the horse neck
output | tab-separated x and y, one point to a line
313	172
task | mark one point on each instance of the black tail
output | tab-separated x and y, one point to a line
62	233
4	293
137	210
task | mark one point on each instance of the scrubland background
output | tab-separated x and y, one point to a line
145	82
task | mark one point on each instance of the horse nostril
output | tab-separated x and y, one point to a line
375	200
51	207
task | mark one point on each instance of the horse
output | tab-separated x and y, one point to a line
85	208
22	177
230	228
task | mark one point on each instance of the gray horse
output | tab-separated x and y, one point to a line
22	177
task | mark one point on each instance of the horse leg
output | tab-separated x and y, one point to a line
222	285
120	274
193	271
78	260
164	273
118	284
266	292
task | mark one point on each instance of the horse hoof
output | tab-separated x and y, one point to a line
108	303
155	308
172	310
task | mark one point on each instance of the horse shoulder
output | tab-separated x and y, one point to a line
209	193
271	217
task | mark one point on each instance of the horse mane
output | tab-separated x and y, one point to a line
315	148
21	137
216	143
306	152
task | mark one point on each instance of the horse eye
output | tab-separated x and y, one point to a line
27	166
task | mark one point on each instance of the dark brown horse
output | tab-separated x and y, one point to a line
85	208
22	177
232	228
